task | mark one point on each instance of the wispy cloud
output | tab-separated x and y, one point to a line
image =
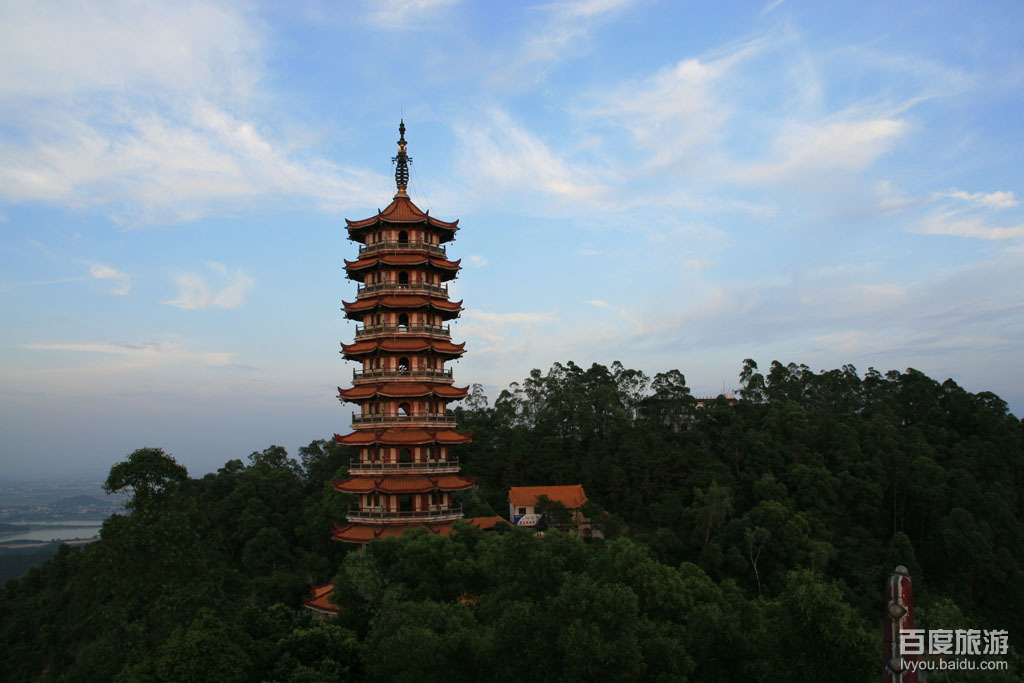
675	109
967	214
146	354
957	225
562	31
477	261
103	272
525	165
405	13
194	293
168	134
993	200
805	151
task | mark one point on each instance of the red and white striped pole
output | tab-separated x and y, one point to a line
899	600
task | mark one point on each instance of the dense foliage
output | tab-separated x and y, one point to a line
744	541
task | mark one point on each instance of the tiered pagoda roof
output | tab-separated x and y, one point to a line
401	210
402	390
405	474
448	309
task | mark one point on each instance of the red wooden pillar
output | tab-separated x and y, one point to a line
899	616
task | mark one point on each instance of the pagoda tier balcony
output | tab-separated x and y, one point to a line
395	330
381	516
439	375
357	466
400	288
414	245
445	418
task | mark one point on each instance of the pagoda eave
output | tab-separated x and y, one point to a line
402	437
404	483
364	533
403	390
403	345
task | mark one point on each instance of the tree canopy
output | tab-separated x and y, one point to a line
745	540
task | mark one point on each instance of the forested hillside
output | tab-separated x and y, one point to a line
744	541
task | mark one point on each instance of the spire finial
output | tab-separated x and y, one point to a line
401	161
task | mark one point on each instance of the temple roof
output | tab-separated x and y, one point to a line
397	483
484	523
364	533
400	302
398	436
402	390
402	345
402	210
319	601
402	260
571	496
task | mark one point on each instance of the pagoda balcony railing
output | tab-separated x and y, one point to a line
447	417
423	373
435	513
404	288
436	330
451	465
394	245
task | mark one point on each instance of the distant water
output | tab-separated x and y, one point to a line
55	531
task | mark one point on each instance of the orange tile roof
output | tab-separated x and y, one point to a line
319	601
402	260
393	301
485	523
396	484
402	210
403	435
412	344
364	533
402	390
571	496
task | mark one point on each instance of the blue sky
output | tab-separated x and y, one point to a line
668	184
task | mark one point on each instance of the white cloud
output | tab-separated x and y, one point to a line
966	214
956	224
56	49
146	354
194	293
805	151
525	163
103	272
675	109
992	200
405	13
598	303
561	33
477	261
147	109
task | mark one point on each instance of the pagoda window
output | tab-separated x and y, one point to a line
405	503
403	409
403	364
403	237
403	321
405	456
403	278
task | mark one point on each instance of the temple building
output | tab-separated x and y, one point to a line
523	500
405	474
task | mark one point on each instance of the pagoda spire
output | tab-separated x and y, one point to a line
401	162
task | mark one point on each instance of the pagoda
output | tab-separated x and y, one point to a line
405	474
